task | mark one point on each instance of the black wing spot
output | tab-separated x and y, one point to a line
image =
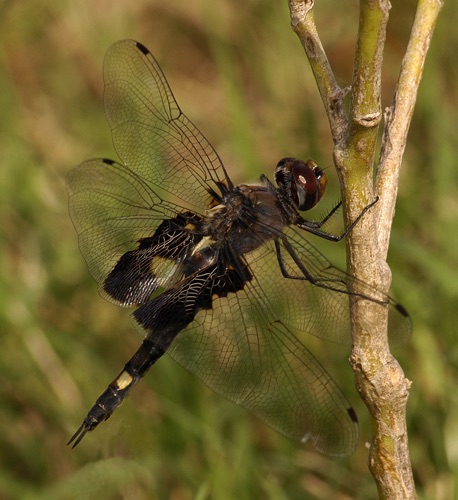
352	414
142	48
108	161
402	310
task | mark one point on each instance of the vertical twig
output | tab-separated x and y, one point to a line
303	24
399	114
379	378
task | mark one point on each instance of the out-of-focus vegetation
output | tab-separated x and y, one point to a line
241	75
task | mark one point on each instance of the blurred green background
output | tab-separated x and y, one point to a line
241	75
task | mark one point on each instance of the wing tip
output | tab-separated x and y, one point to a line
142	48
352	414
402	310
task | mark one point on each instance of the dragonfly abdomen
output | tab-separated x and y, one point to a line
147	354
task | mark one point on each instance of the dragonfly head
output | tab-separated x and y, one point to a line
303	183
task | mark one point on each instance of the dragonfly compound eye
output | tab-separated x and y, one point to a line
303	183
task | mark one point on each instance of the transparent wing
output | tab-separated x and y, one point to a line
112	209
249	345
113	206
243	350
151	135
314	299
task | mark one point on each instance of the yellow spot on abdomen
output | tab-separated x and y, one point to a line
124	380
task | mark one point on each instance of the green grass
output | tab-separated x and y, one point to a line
242	77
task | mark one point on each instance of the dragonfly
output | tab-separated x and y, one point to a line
222	277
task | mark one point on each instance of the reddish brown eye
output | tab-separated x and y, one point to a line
303	183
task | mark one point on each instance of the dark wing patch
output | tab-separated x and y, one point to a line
166	315
156	263
127	233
